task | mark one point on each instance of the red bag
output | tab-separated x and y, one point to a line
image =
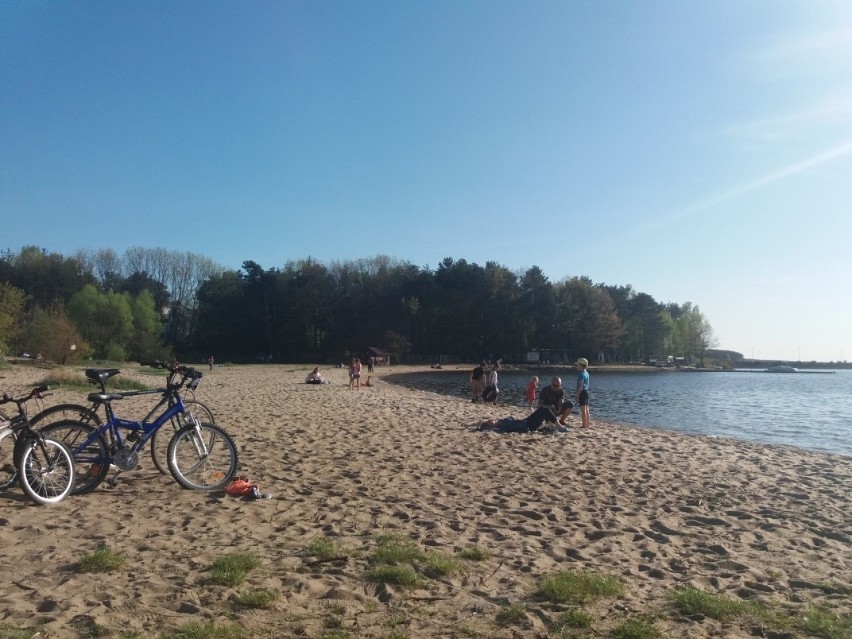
240	487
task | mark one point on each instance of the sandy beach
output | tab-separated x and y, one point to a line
657	509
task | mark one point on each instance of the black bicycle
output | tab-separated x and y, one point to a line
42	465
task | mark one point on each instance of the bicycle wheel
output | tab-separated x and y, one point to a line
90	452
64	412
8	472
161	438
202	457
46	471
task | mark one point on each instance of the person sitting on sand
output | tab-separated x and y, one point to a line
528	424
315	377
554	397
369	381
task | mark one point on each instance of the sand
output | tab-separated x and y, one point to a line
658	509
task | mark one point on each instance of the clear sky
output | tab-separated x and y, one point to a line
699	151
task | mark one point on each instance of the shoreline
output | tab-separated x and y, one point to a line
659	509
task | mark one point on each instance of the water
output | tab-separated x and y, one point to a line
806	410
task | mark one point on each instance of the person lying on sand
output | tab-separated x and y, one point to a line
529	424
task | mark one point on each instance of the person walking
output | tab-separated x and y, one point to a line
582	390
477	381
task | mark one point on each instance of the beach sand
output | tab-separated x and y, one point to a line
660	510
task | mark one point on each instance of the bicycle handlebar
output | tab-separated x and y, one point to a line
37	392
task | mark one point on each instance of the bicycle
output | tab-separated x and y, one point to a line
42	465
195	411
201	456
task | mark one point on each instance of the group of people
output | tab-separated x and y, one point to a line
315	377
554	403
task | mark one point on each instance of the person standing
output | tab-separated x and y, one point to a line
477	381
582	391
355	374
210	362
532	391
491	388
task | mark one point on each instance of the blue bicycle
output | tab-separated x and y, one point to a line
201	456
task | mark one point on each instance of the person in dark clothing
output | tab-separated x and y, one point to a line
554	397
528	424
477	381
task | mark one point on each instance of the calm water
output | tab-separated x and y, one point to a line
807	410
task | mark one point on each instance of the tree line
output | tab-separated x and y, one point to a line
155	303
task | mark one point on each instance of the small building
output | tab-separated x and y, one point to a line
379	356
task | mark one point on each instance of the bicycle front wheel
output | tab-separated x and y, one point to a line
202	457
89	450
46	471
8	472
162	437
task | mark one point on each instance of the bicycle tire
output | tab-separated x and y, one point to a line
65	412
8	471
205	463
91	462
162	438
46	470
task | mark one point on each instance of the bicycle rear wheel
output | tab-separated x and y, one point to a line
64	412
89	450
46	471
163	436
202	457
8	472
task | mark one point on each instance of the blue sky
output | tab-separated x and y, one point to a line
698	151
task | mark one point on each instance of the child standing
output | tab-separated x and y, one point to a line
582	392
532	391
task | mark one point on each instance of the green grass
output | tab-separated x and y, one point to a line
259	598
401	561
231	570
101	560
512	615
10	632
324	548
815	622
637	628
575	618
404	575
77	381
577	586
692	601
474	553
207	630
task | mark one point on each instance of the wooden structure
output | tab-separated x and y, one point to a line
380	357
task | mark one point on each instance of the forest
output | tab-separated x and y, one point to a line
155	303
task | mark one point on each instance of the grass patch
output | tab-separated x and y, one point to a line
207	630
577	586
77	381
101	560
513	615
575	618
692	601
258	598
474	553
404	575
324	548
638	628
231	570
824	624
831	588
10	632
395	550
435	564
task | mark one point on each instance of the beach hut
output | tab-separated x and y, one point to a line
379	356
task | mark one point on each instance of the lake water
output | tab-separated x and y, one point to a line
807	410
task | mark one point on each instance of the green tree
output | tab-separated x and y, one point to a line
105	321
144	343
52	335
12	302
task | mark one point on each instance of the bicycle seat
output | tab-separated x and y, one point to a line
101	374
103	398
